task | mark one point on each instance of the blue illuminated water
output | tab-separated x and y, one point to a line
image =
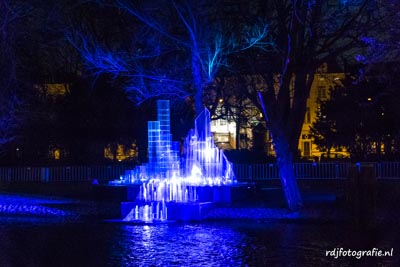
173	174
197	163
44	243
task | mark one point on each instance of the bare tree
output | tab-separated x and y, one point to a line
178	48
382	43
306	35
9	103
27	53
228	98
181	36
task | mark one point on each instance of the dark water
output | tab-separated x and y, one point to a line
54	243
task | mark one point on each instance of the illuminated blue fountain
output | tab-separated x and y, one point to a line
175	185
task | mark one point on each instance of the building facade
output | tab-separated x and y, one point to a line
225	130
320	88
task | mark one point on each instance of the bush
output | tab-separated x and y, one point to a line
248	156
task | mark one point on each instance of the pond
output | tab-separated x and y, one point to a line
44	242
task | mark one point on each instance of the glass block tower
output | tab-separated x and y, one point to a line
163	153
154	143
164	149
202	163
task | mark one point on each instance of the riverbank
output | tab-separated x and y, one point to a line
93	202
54	230
25	205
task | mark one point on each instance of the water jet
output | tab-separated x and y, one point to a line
178	182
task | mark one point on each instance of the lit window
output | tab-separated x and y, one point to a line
307	149
308	115
321	92
57	154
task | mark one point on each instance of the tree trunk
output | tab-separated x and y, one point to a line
286	174
238	134
285	121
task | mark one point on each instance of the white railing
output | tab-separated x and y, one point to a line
62	174
387	170
326	170
243	172
246	172
307	170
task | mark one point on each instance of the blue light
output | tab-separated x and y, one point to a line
170	177
200	156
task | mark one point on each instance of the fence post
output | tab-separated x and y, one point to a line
378	170
250	172
88	174
368	196
9	175
336	170
45	175
361	193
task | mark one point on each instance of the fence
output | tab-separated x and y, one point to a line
256	172
387	170
62	174
243	172
328	170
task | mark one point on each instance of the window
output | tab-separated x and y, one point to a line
307	149
308	115
321	92
57	153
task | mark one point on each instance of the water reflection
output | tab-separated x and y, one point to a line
206	244
245	244
179	245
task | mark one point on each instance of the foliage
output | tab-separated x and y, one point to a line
382	44
80	124
32	50
306	34
361	115
177	48
244	156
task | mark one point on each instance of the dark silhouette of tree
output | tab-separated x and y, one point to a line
33	50
361	115
79	124
10	23
228	98
305	34
176	48
382	44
